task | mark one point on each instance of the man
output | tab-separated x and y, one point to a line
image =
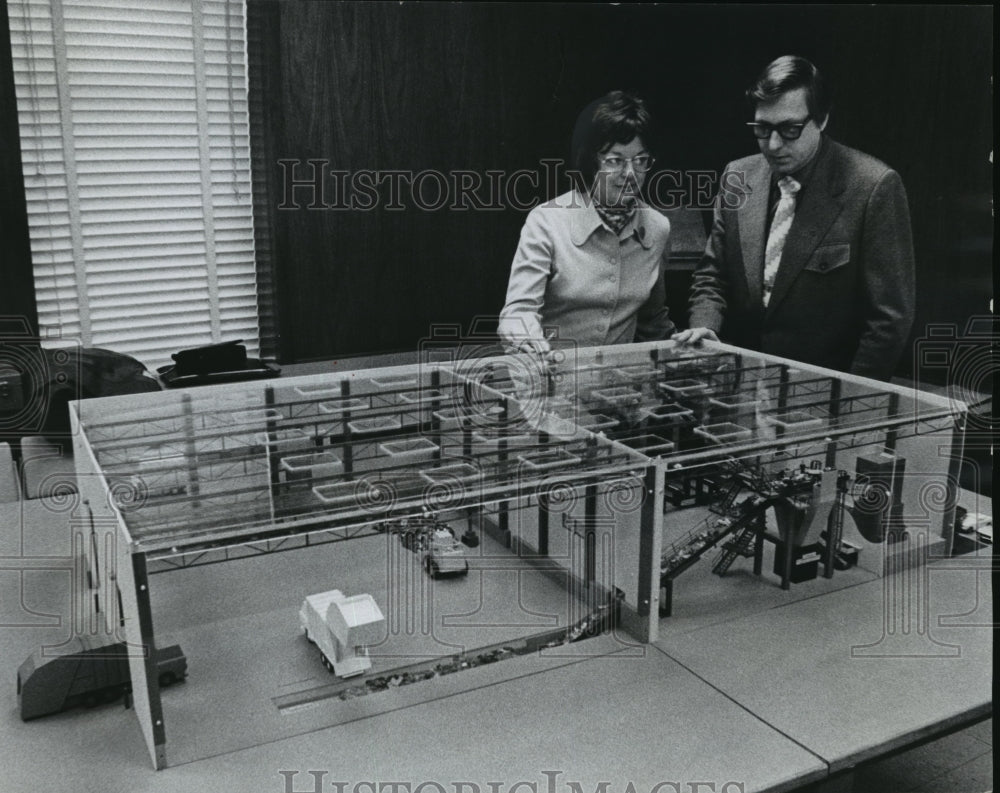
810	255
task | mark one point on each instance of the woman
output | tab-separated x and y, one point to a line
589	266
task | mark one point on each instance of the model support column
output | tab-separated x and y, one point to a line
132	580
830	460
783	388
954	472
435	401
434	424
650	530
543	509
779	431
189	449
271	434
667	597
787	561
348	453
543	525
758	547
466	426
590	535
834	405
141	578
835	523
834	531
503	508
892	434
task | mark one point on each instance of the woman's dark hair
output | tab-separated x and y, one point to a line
617	117
787	73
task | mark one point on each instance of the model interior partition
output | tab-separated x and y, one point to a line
480	507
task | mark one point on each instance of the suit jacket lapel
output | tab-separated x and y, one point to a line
815	213
753	225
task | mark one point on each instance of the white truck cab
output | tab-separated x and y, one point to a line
342	627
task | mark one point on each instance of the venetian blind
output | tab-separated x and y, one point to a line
135	145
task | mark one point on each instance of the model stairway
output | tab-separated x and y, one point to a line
740	545
768	490
725	504
705	535
680	556
737	519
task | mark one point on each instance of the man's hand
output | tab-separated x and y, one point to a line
694	335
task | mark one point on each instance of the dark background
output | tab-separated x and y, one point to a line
17	286
498	86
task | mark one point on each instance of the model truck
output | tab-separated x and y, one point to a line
444	555
342	627
86	672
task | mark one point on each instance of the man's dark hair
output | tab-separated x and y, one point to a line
787	73
616	117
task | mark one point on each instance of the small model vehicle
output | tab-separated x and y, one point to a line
978	524
86	672
412	537
436	544
342	628
444	555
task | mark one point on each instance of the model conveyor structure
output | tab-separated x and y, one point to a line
739	514
586	449
731	516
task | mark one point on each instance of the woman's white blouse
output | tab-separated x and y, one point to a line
575	279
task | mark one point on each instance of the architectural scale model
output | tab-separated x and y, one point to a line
603	474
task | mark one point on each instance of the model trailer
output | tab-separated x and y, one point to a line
87	672
342	628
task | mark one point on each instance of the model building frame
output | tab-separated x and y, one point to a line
571	461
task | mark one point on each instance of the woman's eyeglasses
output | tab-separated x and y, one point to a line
640	164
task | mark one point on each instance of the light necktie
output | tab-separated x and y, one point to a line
782	222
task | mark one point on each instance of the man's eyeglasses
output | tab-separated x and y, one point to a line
788	130
640	164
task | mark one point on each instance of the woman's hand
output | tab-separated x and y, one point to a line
694	335
539	347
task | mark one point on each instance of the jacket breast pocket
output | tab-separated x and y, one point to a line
828	258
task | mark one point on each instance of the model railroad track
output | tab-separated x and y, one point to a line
596	622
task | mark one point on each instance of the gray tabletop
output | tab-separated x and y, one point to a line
768	700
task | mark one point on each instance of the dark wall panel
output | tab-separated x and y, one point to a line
446	88
17	287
